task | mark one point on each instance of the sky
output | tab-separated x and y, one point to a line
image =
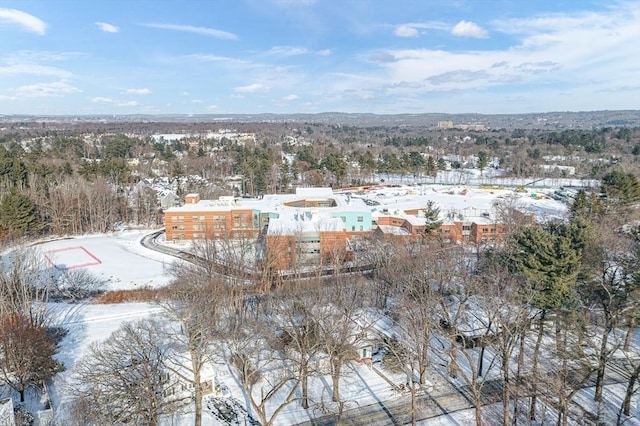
67	57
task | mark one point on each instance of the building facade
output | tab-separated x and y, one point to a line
316	226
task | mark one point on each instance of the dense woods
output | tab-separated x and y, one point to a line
65	182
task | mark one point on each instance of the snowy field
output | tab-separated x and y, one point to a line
88	324
117	259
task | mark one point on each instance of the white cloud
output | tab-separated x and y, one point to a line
222	60
116	102
458	76
39	90
31	56
197	101
102	100
289	98
405	31
469	29
34	69
575	51
252	88
28	22
127	103
213	107
324	52
286	51
107	28
211	32
144	91
294	3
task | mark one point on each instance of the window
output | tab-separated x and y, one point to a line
353	228
360	218
485	230
466	227
344	219
361	227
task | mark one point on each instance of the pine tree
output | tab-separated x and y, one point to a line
621	187
18	215
587	206
432	216
483	161
550	257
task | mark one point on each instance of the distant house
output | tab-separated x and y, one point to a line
168	200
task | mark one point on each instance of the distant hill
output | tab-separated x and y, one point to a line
545	120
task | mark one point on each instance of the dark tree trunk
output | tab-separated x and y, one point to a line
335	378
630	330
602	361
481	361
516	399
506	390
304	373
534	370
626	404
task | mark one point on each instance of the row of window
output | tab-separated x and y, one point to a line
491	230
359	218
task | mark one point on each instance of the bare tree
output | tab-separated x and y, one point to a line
26	353
345	324
469	326
266	376
295	319
25	286
568	367
607	286
194	307
126	378
509	308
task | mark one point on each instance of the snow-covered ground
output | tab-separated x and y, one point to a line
117	259
121	261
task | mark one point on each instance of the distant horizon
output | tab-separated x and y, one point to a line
386	57
320	113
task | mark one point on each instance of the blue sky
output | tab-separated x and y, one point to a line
288	56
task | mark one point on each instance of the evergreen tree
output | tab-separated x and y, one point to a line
550	257
432	216
483	161
18	215
587	206
431	167
620	187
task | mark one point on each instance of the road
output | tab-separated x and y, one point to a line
149	242
445	400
